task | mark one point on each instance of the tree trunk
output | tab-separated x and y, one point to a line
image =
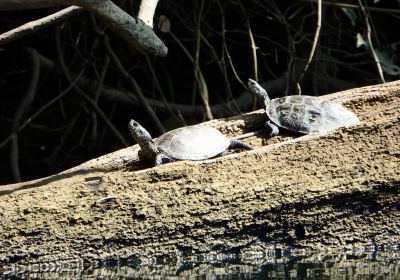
335	190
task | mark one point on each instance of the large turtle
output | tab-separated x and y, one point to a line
186	143
301	113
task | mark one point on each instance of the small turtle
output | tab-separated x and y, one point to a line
186	143
301	113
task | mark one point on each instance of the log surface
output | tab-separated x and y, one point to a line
335	190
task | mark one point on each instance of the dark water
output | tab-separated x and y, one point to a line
273	265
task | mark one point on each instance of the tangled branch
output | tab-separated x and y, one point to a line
134	31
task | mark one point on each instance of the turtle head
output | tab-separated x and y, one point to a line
258	90
141	135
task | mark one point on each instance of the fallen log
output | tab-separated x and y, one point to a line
330	191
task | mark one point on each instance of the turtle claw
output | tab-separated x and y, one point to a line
224	153
161	158
239	144
272	129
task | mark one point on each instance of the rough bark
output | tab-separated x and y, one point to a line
135	32
339	189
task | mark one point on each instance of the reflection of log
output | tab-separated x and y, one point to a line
318	191
355	265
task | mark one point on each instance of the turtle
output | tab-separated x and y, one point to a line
185	143
301	113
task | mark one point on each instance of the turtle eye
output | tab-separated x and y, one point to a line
133	123
315	113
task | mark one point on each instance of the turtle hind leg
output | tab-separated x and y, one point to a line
162	158
272	129
224	153
239	144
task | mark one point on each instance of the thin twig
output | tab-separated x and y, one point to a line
48	104
222	67
133	84
66	132
253	49
232	66
114	58
201	78
88	99
314	45
371	47
252	43
201	83
225	47
164	100
105	199
351	6
290	48
222	60
97	93
21	110
191	111
220	110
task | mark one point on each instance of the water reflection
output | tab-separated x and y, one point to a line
273	265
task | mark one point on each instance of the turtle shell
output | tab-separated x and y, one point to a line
308	114
192	143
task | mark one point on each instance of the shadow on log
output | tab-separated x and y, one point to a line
315	192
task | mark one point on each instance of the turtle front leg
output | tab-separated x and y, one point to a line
272	129
162	158
239	144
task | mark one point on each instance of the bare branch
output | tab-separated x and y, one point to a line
97	92
242	102
134	31
202	86
36	25
49	65
225	47
370	46
314	45
252	42
88	99
10	5
352	6
132	81
146	11
22	109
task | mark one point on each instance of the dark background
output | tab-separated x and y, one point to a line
70	131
